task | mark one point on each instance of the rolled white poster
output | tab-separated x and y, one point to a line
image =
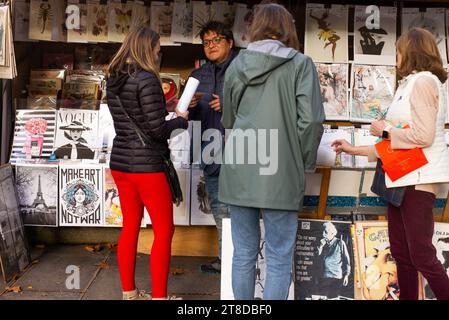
187	95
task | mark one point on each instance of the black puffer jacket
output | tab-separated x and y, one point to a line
143	99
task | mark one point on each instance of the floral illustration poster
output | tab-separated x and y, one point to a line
119	23
181	30
97	21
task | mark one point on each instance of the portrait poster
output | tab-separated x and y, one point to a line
334	90
226	292
377	267
119	22
21	20
80	195
34	134
76	134
224	12
242	20
432	20
326	38
373	89
140	14
375	44
161	20
3	29
200	211
440	241
41	20
97	21
202	14
79	34
14	250
182	22
362	137
326	155
113	216
324	261
37	190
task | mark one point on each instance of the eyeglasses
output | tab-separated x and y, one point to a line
214	41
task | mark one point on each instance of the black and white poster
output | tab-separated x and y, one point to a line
14	251
81	191
34	134
324	261
440	241
37	190
76	134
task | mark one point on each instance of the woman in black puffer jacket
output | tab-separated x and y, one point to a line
138	169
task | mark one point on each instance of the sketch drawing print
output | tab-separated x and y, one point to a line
333	88
203	198
45	14
76	148
429	24
369	43
80	198
327	34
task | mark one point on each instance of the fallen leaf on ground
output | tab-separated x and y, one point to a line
95	248
178	271
103	265
14	289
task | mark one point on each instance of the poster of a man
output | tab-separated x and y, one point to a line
77	147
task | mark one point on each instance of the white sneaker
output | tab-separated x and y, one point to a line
136	295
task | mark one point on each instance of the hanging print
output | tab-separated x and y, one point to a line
161	20
334	90
201	16
81	189
372	93
140	14
21	20
120	17
41	20
376	45
37	189
432	20
326	38
242	21
97	21
76	134
80	34
224	12
181	29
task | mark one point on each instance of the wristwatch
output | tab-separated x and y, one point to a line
386	132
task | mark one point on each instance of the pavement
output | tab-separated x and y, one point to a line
54	269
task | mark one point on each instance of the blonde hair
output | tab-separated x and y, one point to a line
273	21
136	51
419	52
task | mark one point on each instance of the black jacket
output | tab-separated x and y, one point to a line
143	99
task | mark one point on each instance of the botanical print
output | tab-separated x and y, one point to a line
41	19
432	20
81	189
334	90
140	14
37	188
97	22
372	92
79	34
224	12
161	20
324	261
181	29
201	15
242	20
326	38
226	265
200	211
377	267
21	20
76	134
326	156
34	134
375	45
120	17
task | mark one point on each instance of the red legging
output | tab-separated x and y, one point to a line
152	191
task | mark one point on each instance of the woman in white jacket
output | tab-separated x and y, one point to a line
420	101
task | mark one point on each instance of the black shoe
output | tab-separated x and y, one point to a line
213	266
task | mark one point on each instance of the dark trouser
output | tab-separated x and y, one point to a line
330	287
410	230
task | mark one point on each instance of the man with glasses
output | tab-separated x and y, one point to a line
218	43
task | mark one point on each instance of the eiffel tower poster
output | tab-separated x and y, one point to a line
37	188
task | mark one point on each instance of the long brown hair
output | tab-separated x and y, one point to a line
419	52
273	21
136	52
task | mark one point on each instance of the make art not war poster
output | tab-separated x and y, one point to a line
81	195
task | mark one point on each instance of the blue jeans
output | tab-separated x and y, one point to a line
219	209
280	239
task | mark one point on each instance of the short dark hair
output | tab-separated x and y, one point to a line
219	28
